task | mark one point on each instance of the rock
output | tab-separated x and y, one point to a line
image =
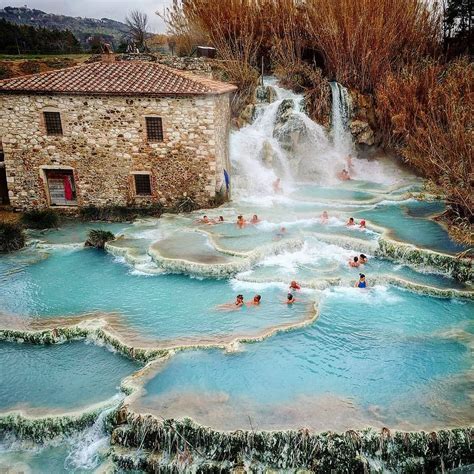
248	114
285	109
362	132
290	133
265	94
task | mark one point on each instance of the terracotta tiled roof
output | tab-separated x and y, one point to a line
116	78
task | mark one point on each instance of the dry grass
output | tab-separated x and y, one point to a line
363	39
426	112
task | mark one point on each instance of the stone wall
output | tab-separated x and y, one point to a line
104	142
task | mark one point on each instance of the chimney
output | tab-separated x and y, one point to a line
107	55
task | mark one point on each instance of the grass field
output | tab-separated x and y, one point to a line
22	57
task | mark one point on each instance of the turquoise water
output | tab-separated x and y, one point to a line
381	357
408	222
65	376
166	307
397	356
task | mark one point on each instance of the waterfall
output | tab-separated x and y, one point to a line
340	115
281	142
88	446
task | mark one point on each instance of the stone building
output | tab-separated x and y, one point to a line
113	133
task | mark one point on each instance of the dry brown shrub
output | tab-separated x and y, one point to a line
426	112
363	39
233	27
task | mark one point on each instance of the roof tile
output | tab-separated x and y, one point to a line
116	78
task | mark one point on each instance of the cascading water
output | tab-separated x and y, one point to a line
282	142
88	446
340	115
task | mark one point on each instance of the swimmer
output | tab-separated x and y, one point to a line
205	220
324	217
354	262
363	259
350	222
241	222
256	301
280	234
294	286
239	302
362	224
361	283
255	219
220	219
344	175
277	186
290	299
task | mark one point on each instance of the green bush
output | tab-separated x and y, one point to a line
119	213
12	237
40	219
97	238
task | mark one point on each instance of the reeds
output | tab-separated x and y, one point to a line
426	112
361	40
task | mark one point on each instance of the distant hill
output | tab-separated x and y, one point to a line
82	28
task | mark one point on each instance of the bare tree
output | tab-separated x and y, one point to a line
137	23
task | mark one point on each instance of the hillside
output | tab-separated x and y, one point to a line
82	28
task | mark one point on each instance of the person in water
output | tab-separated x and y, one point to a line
349	162
255	219
277	186
239	301
221	219
241	221
363	259
280	234
205	220
344	175
294	286
290	299
362	224
324	217
354	262
256	301
361	283
350	222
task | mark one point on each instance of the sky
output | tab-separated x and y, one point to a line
114	9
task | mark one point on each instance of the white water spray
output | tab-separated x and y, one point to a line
88	446
340	115
282	142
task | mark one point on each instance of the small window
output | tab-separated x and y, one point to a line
52	121
142	184
154	129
